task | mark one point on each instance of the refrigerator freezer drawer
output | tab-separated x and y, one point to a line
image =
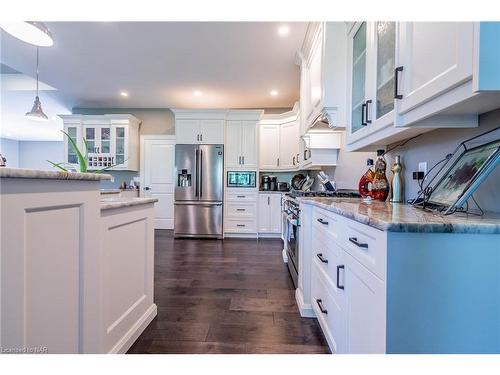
198	220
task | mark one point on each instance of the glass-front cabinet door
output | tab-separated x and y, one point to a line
358	76
73	132
120	135
385	47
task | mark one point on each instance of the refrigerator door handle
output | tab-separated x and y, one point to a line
197	203
196	172
200	174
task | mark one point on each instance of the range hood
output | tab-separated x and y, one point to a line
326	121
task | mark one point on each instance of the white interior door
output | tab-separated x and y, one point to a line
159	180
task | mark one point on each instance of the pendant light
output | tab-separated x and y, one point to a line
32	32
36	112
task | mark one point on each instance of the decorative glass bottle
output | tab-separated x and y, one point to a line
397	192
380	184
365	183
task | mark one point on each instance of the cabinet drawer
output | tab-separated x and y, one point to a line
328	223
241	210
241	196
330	314
234	225
367	245
329	257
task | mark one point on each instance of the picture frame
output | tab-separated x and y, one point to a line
465	175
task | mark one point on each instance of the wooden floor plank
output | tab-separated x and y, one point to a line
231	296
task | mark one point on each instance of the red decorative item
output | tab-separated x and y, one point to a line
366	181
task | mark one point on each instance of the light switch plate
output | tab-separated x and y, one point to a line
422	167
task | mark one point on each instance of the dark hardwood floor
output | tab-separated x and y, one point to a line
231	296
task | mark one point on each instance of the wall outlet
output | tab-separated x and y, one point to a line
422	167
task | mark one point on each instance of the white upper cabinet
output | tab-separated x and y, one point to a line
199	126
241	144
434	57
112	140
409	77
279	141
269	151
241	139
323	83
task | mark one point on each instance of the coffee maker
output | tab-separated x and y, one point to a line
268	183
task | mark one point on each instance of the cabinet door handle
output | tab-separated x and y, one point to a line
198	137
322	222
293	160
146	188
320	305
201	137
342	267
239	160
243	160
298	158
354	240
367	108
363	108
320	256
396	82
278	162
268	200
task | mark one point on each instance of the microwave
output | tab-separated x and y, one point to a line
239	179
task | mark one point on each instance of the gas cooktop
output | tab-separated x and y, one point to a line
325	194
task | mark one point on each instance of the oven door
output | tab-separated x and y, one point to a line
292	246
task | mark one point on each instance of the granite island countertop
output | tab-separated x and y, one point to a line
402	217
117	202
51	175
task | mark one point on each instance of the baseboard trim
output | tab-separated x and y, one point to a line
285	257
135	331
305	309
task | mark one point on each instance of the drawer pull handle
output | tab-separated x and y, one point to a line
320	256
323	222
320	305
354	240
240	209
338	276
240	225
241	196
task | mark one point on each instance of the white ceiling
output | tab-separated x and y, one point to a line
160	64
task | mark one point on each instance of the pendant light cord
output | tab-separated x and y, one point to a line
37	52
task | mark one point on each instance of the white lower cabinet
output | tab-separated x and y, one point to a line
240	212
347	284
269	213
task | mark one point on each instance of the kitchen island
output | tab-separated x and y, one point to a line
391	278
76	269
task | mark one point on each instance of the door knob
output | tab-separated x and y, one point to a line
146	188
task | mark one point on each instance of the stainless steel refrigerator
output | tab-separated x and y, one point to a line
199	190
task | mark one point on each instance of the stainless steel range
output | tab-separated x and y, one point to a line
291	221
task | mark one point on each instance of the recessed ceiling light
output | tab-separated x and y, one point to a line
274	92
197	93
283	30
124	93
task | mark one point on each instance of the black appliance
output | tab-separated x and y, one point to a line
265	182
273	183
291	237
283	186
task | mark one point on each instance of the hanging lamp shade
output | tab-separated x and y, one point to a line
36	112
32	32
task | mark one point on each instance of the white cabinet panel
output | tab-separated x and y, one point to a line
212	131
289	145
187	131
233	144
435	57
275	214
249	144
269	147
365	309
264	213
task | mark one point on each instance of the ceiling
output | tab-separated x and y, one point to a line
161	64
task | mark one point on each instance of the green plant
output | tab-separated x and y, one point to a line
82	159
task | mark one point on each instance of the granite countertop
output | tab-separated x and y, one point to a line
51	175
405	218
112	203
115	191
272	192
